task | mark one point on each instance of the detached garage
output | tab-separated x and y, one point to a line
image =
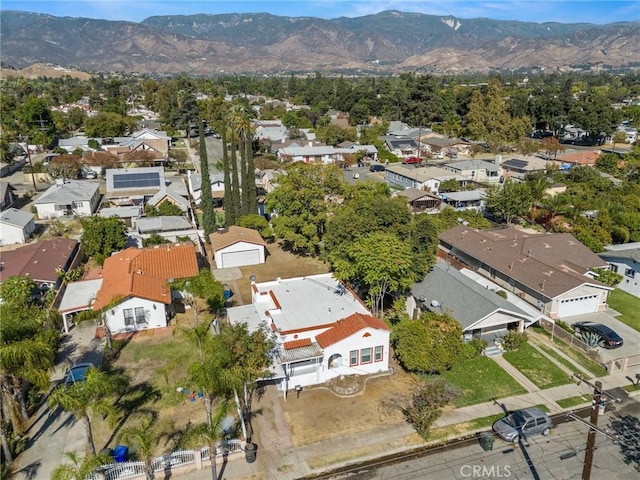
237	247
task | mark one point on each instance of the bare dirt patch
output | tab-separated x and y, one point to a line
318	414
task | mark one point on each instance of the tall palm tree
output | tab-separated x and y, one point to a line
240	122
144	437
94	394
79	468
210	433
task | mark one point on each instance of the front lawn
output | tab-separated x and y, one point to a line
574	401
627	305
481	380
551	352
536	367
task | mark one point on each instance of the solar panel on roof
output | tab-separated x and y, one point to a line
136	180
515	163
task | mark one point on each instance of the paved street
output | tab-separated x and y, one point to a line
53	433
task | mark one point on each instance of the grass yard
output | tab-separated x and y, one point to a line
627	305
536	367
481	380
574	401
551	352
632	388
594	367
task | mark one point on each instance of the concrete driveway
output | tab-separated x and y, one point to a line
630	336
54	432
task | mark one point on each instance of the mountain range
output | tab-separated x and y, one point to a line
389	42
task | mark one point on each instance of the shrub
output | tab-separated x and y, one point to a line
502	293
513	340
564	325
473	349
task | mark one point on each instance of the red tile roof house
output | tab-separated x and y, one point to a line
322	328
551	271
136	285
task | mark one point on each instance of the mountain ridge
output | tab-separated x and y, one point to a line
389	42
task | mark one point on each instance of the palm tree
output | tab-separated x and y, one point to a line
555	205
242	130
145	437
210	433
79	468
91	395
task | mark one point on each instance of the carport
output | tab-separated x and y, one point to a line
77	297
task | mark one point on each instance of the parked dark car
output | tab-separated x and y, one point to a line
608	338
523	424
77	372
377	168
412	160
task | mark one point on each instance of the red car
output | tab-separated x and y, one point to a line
412	160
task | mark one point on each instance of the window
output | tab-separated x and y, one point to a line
378	353
365	355
353	358
76	204
140	316
629	272
128	317
614	268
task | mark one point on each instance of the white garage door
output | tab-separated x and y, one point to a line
578	305
238	259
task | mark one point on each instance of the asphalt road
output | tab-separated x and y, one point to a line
559	456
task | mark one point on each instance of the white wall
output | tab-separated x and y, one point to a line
156	318
239	247
11	234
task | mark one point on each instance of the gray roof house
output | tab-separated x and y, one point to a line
16	226
476	170
466	200
69	197
400	146
625	260
479	310
168	194
133	186
168	227
551	271
423	178
194	186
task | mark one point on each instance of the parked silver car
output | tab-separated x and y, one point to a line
523	424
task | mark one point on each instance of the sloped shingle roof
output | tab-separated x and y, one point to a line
235	234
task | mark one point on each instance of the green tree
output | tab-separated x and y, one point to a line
203	286
432	343
144	437
256	222
106	124
103	236
210	433
608	277
82	399
80	468
155	239
18	289
301	210
381	264
333	134
511	201
618	137
208	213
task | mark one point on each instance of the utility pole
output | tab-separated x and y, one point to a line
591	436
33	175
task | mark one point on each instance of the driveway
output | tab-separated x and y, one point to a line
54	432
630	336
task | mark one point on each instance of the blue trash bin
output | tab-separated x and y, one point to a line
119	453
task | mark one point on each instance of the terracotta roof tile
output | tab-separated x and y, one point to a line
145	272
348	326
303	342
584	157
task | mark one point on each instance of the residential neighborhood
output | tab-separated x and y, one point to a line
286	290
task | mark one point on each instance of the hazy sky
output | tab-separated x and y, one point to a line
533	10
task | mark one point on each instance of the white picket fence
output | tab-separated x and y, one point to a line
177	459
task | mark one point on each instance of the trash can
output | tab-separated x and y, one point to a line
119	453
486	441
250	452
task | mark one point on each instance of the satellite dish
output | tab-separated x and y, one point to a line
252	278
435	303
422	299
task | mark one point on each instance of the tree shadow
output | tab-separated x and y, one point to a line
30	472
627	430
135	400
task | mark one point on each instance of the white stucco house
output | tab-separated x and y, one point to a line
237	246
624	259
322	329
16	226
69	197
135	293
